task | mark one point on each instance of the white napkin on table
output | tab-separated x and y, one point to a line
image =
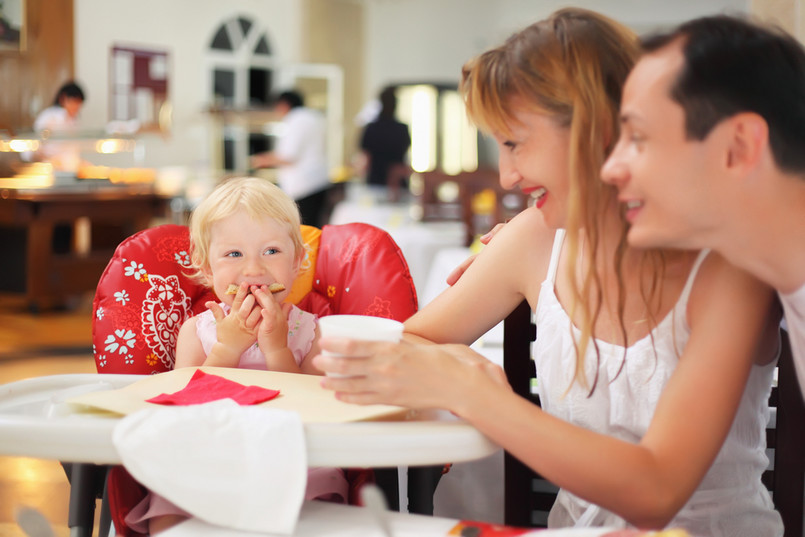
241	467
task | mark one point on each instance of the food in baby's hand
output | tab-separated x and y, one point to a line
273	288
276	287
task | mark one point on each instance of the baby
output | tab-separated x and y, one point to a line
246	245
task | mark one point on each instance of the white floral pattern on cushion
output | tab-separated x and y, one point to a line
165	307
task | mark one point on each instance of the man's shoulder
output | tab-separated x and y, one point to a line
305	118
304	113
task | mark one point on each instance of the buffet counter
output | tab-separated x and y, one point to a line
58	240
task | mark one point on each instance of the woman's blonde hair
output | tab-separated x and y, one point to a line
259	198
571	67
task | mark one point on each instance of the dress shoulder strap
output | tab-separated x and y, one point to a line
683	298
558	240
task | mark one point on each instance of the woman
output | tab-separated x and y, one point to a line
644	357
62	115
61	119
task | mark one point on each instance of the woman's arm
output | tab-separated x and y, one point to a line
509	269
646	483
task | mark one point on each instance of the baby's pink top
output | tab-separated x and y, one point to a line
301	332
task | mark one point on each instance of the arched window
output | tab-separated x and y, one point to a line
241	64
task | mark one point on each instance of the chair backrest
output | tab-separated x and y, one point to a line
146	291
438	195
485	202
474	197
785	435
528	498
397	180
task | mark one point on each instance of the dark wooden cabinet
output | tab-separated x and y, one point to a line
49	266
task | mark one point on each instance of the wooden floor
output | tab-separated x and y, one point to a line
31	345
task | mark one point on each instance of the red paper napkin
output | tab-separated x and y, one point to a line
204	388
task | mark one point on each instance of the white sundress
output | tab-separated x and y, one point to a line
731	500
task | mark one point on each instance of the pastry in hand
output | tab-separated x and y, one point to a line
276	287
273	288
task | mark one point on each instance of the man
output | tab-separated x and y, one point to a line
300	157
712	152
385	141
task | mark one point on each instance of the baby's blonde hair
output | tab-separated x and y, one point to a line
259	198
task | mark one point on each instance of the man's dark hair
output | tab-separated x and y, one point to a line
292	98
388	102
733	65
69	89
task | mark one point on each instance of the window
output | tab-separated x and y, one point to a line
241	70
139	85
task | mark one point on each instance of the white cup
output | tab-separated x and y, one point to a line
361	327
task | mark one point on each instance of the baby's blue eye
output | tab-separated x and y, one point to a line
272	251
234	254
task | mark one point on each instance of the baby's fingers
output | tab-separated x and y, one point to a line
253	318
217	312
264	298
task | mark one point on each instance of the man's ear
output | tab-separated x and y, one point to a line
748	140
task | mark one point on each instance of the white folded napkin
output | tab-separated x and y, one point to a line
241	467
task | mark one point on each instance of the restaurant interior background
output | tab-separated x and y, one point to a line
201	109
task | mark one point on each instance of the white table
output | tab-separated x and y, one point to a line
319	519
35	421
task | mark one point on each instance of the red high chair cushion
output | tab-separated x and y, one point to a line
147	292
360	270
143	297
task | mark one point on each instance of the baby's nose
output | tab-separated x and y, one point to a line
254	266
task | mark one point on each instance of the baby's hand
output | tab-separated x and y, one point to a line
237	331
272	334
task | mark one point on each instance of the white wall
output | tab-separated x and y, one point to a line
407	40
429	40
185	29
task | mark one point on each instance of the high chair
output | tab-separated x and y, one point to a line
146	293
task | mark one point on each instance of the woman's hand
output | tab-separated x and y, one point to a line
405	374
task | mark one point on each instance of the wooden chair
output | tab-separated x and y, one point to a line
397	181
528	498
786	437
485	203
439	196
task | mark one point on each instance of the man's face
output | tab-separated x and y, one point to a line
666	181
